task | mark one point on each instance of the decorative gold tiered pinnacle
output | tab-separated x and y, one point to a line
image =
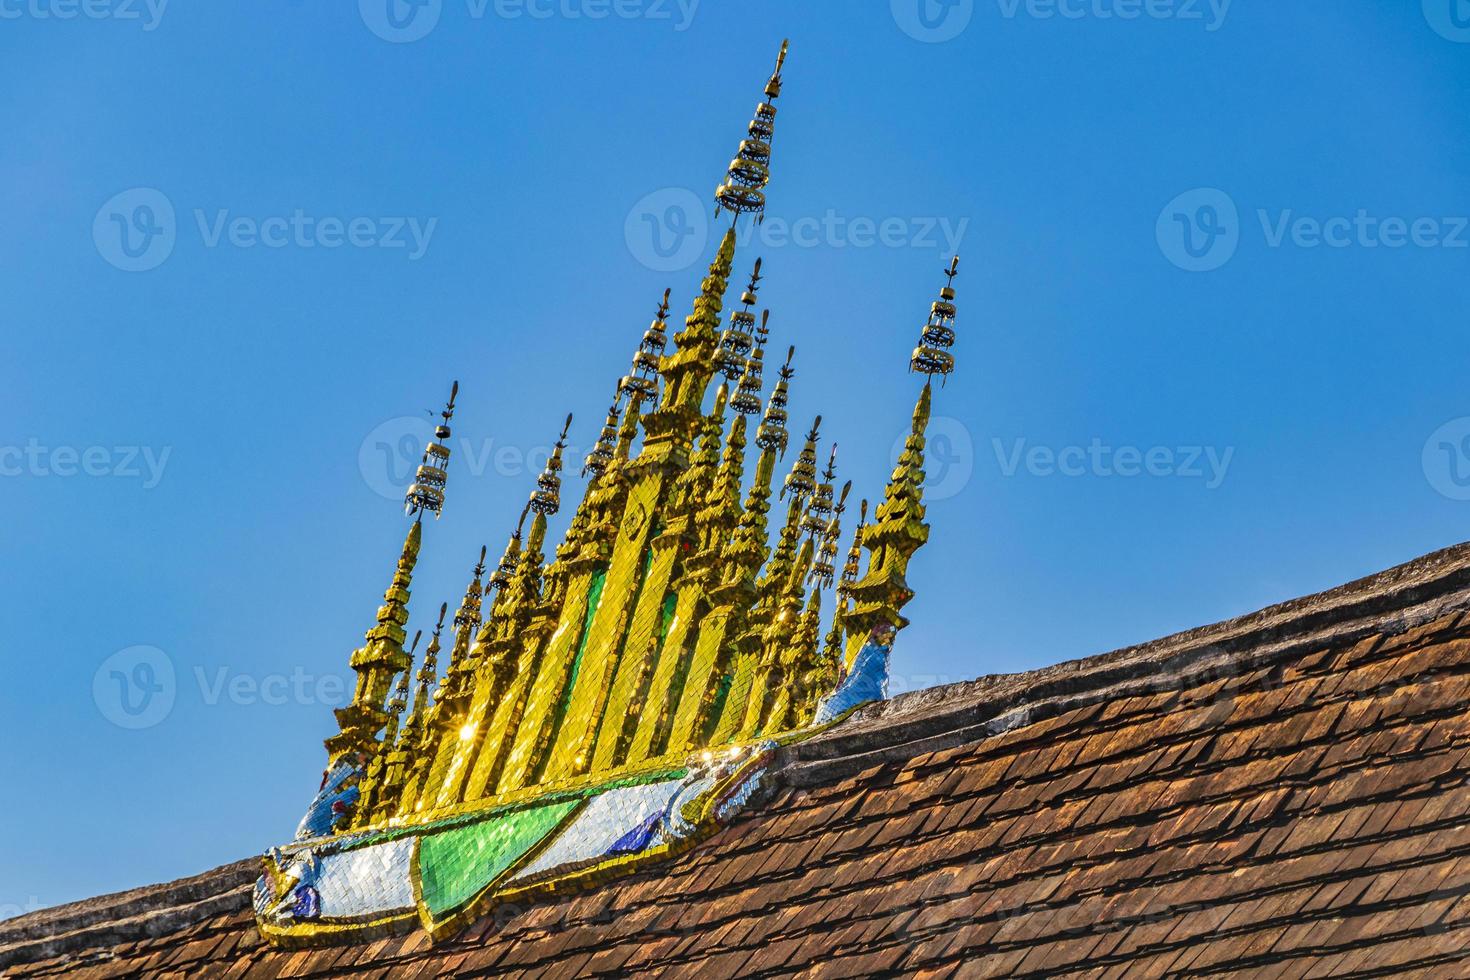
427	491
666	624
743	189
900	529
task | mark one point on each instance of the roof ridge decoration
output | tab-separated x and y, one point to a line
613	705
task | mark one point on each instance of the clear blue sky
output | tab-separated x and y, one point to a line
1221	249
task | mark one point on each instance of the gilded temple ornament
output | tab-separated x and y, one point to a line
610	700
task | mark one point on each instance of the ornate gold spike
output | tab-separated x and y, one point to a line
427	491
771	433
750	171
546	501
801	482
825	566
737	340
643	379
932	356
852	567
601	456
900	529
508	560
747	400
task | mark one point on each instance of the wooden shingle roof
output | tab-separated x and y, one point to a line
1283	794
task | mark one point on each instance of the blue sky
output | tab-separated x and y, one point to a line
1212	332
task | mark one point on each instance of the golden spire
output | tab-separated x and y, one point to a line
427	491
508	560
932	356
737	340
801	482
825	567
743	189
546	501
852	567
378	661
747	400
900	530
771	433
399	701
643	379
428	671
601	456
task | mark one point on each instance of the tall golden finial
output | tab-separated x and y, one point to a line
825	567
747	398
427	491
932	356
512	555
801	482
743	189
852	567
642	380
736	341
428	670
601	456
819	511
772	434
546	501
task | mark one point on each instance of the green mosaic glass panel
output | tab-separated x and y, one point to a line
456	865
